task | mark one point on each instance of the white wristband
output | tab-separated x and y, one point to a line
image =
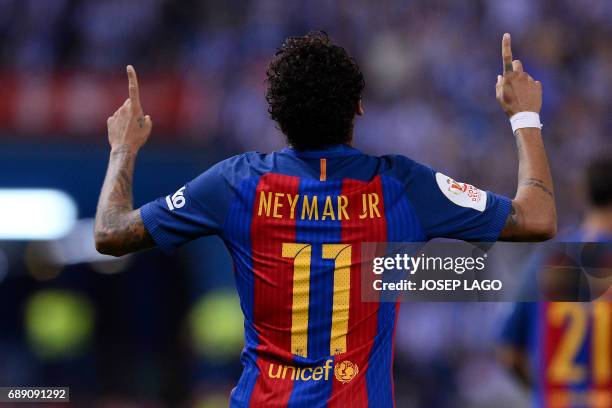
525	120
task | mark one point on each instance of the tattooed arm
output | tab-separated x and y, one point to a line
533	215
118	227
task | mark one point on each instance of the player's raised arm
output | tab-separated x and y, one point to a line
533	216
119	228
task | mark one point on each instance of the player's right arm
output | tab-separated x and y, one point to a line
533	214
119	228
196	209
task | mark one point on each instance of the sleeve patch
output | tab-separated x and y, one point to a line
462	194
177	200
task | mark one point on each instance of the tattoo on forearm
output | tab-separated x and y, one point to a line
513	218
116	220
537	183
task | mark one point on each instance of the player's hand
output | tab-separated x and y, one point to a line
515	90
128	125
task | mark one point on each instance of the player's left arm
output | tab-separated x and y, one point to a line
533	215
119	228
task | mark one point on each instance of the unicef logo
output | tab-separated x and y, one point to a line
345	371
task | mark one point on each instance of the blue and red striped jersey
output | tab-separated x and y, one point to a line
568	344
294	222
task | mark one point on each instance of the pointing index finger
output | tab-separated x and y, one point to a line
133	87
507	53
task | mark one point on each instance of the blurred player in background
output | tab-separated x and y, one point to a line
294	221
563	350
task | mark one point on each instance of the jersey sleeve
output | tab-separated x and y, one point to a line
195	210
515	328
447	208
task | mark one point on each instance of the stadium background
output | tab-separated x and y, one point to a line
151	330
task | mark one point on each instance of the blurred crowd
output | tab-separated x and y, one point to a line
430	70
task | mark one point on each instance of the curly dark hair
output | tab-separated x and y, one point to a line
314	87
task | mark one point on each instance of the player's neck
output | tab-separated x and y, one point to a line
599	221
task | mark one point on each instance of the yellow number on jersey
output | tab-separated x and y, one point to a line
574	317
563	368
301	295
301	254
342	289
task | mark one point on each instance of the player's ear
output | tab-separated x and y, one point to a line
359	108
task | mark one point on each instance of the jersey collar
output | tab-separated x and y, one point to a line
331	151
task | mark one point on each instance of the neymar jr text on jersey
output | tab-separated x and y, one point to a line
317	207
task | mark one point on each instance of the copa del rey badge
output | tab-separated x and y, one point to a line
462	194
